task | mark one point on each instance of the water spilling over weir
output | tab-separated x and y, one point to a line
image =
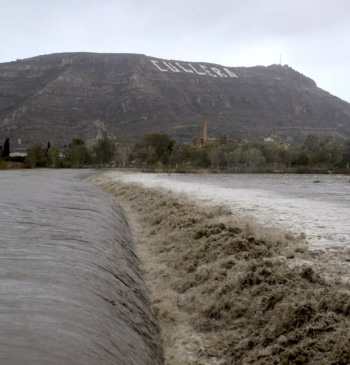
71	290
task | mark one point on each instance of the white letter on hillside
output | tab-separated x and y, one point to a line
171	67
183	68
230	73
217	71
158	67
196	71
207	71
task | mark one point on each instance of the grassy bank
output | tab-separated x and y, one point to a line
232	292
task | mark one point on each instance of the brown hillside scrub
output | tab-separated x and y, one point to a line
231	292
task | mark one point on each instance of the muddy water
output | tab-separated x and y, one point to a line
317	206
71	290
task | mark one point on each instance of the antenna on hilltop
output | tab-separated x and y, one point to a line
280	59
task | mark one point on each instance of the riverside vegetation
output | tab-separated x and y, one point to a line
229	291
158	152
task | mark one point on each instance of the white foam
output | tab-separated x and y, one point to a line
318	207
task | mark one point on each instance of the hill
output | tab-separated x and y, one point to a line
62	96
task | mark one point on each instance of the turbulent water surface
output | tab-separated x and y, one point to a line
71	291
70	286
317	206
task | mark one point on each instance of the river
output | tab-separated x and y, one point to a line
71	291
313	206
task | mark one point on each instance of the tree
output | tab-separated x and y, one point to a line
246	157
311	143
216	157
6	149
77	153
254	157
200	156
180	155
53	157
104	151
237	157
223	153
36	156
124	148
345	157
303	159
153	147
330	153
311	149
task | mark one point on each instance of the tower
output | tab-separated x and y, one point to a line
205	131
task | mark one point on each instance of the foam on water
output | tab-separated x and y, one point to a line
71	290
315	205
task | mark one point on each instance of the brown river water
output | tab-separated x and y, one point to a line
71	290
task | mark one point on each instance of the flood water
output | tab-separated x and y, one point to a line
71	290
315	206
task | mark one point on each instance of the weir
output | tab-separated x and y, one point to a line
71	290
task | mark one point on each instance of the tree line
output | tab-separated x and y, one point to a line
157	151
76	154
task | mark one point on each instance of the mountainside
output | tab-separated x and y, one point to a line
86	95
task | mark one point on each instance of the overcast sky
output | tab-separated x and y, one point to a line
311	36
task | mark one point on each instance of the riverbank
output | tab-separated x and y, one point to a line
227	291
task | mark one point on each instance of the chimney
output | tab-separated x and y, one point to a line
205	130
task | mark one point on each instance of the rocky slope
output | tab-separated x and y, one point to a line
86	95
